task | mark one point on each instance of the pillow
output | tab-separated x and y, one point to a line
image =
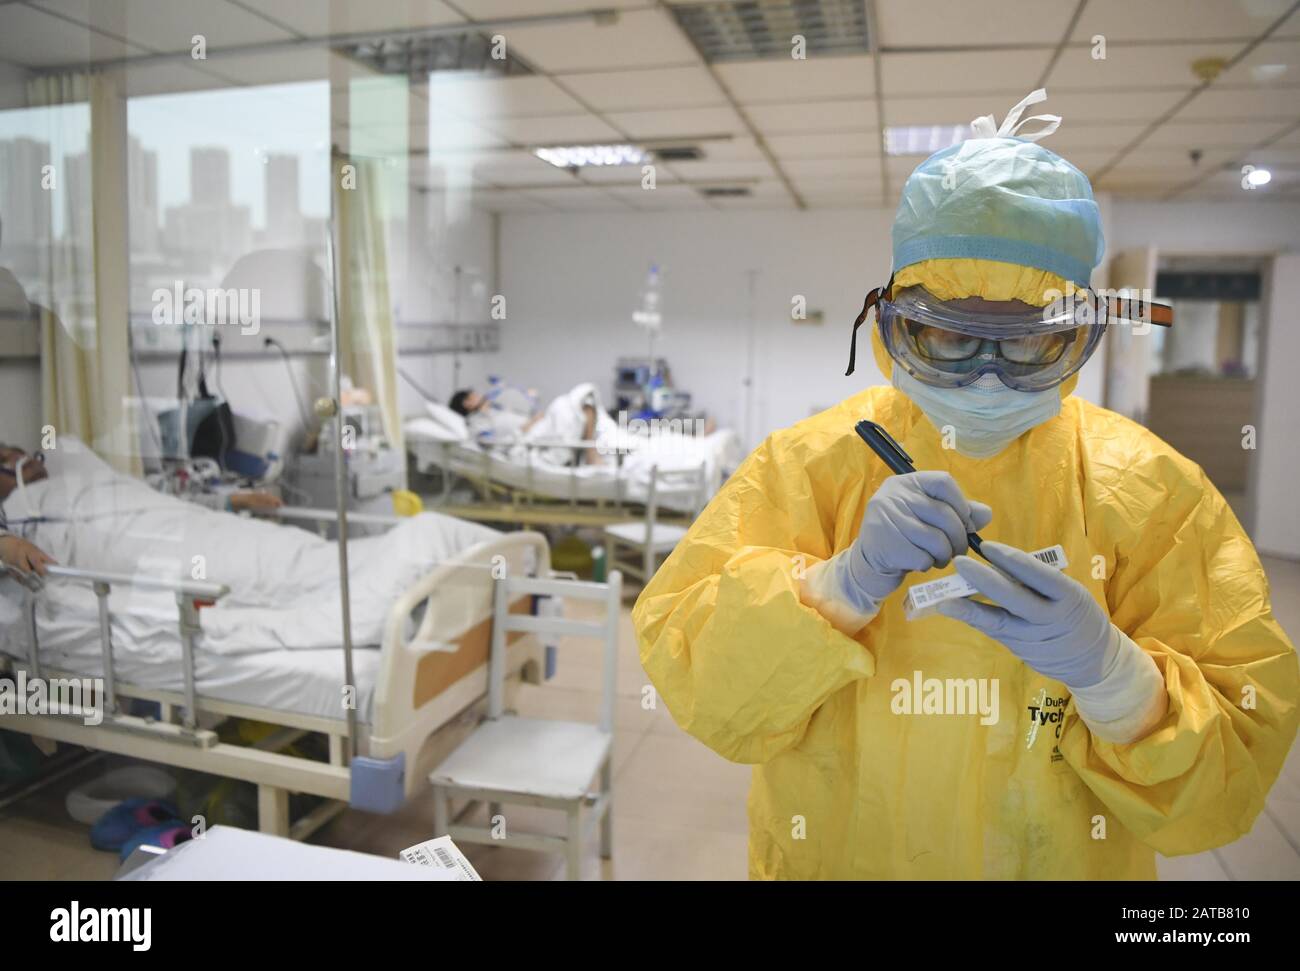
452	424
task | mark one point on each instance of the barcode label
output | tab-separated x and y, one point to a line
1047	556
919	596
443	854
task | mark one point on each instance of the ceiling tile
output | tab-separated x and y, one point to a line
1236	135
900	167
1243	104
965	71
737	147
476	98
782	201
837	169
1274	62
488	9
307	64
814	79
34	38
1133	66
579	199
1108	106
1092	136
668	87
1177	19
972	23
454	134
518	168
624	174
1138	175
950	110
639	38
842	197
1290	27
506	201
321	19
664	197
835	145
706	170
1288	155
681	122
171	25
822	116
552	129
1175	160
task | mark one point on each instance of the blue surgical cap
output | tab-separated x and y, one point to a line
1004	199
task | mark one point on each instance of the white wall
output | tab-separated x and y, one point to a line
1257	224
456	237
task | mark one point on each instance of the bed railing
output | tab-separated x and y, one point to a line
475	465
189	596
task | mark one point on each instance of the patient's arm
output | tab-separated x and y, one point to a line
257	500
16	552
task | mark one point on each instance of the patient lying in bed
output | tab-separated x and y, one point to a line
284	585
577	415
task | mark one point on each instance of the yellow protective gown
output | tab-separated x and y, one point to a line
845	788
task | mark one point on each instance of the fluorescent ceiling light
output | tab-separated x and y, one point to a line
1267	73
1258	177
577	156
923	139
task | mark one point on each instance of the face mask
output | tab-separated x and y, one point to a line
986	416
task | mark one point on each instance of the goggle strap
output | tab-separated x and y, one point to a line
1134	309
872	299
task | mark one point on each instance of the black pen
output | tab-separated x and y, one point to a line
899	462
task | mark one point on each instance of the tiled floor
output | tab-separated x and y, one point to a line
680	809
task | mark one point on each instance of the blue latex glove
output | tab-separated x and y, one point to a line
1044	617
913	523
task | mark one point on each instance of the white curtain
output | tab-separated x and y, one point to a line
367	337
85	331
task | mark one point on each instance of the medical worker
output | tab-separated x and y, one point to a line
1145	695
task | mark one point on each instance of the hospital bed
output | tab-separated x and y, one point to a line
417	682
523	482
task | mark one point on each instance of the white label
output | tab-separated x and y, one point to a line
923	598
443	854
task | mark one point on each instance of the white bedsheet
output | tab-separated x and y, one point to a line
717	453
284	595
306	682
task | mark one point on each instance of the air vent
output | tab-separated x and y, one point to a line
678	153
469	51
763	29
724	191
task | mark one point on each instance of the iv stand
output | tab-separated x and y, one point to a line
332	408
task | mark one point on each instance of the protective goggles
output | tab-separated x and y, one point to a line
947	345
